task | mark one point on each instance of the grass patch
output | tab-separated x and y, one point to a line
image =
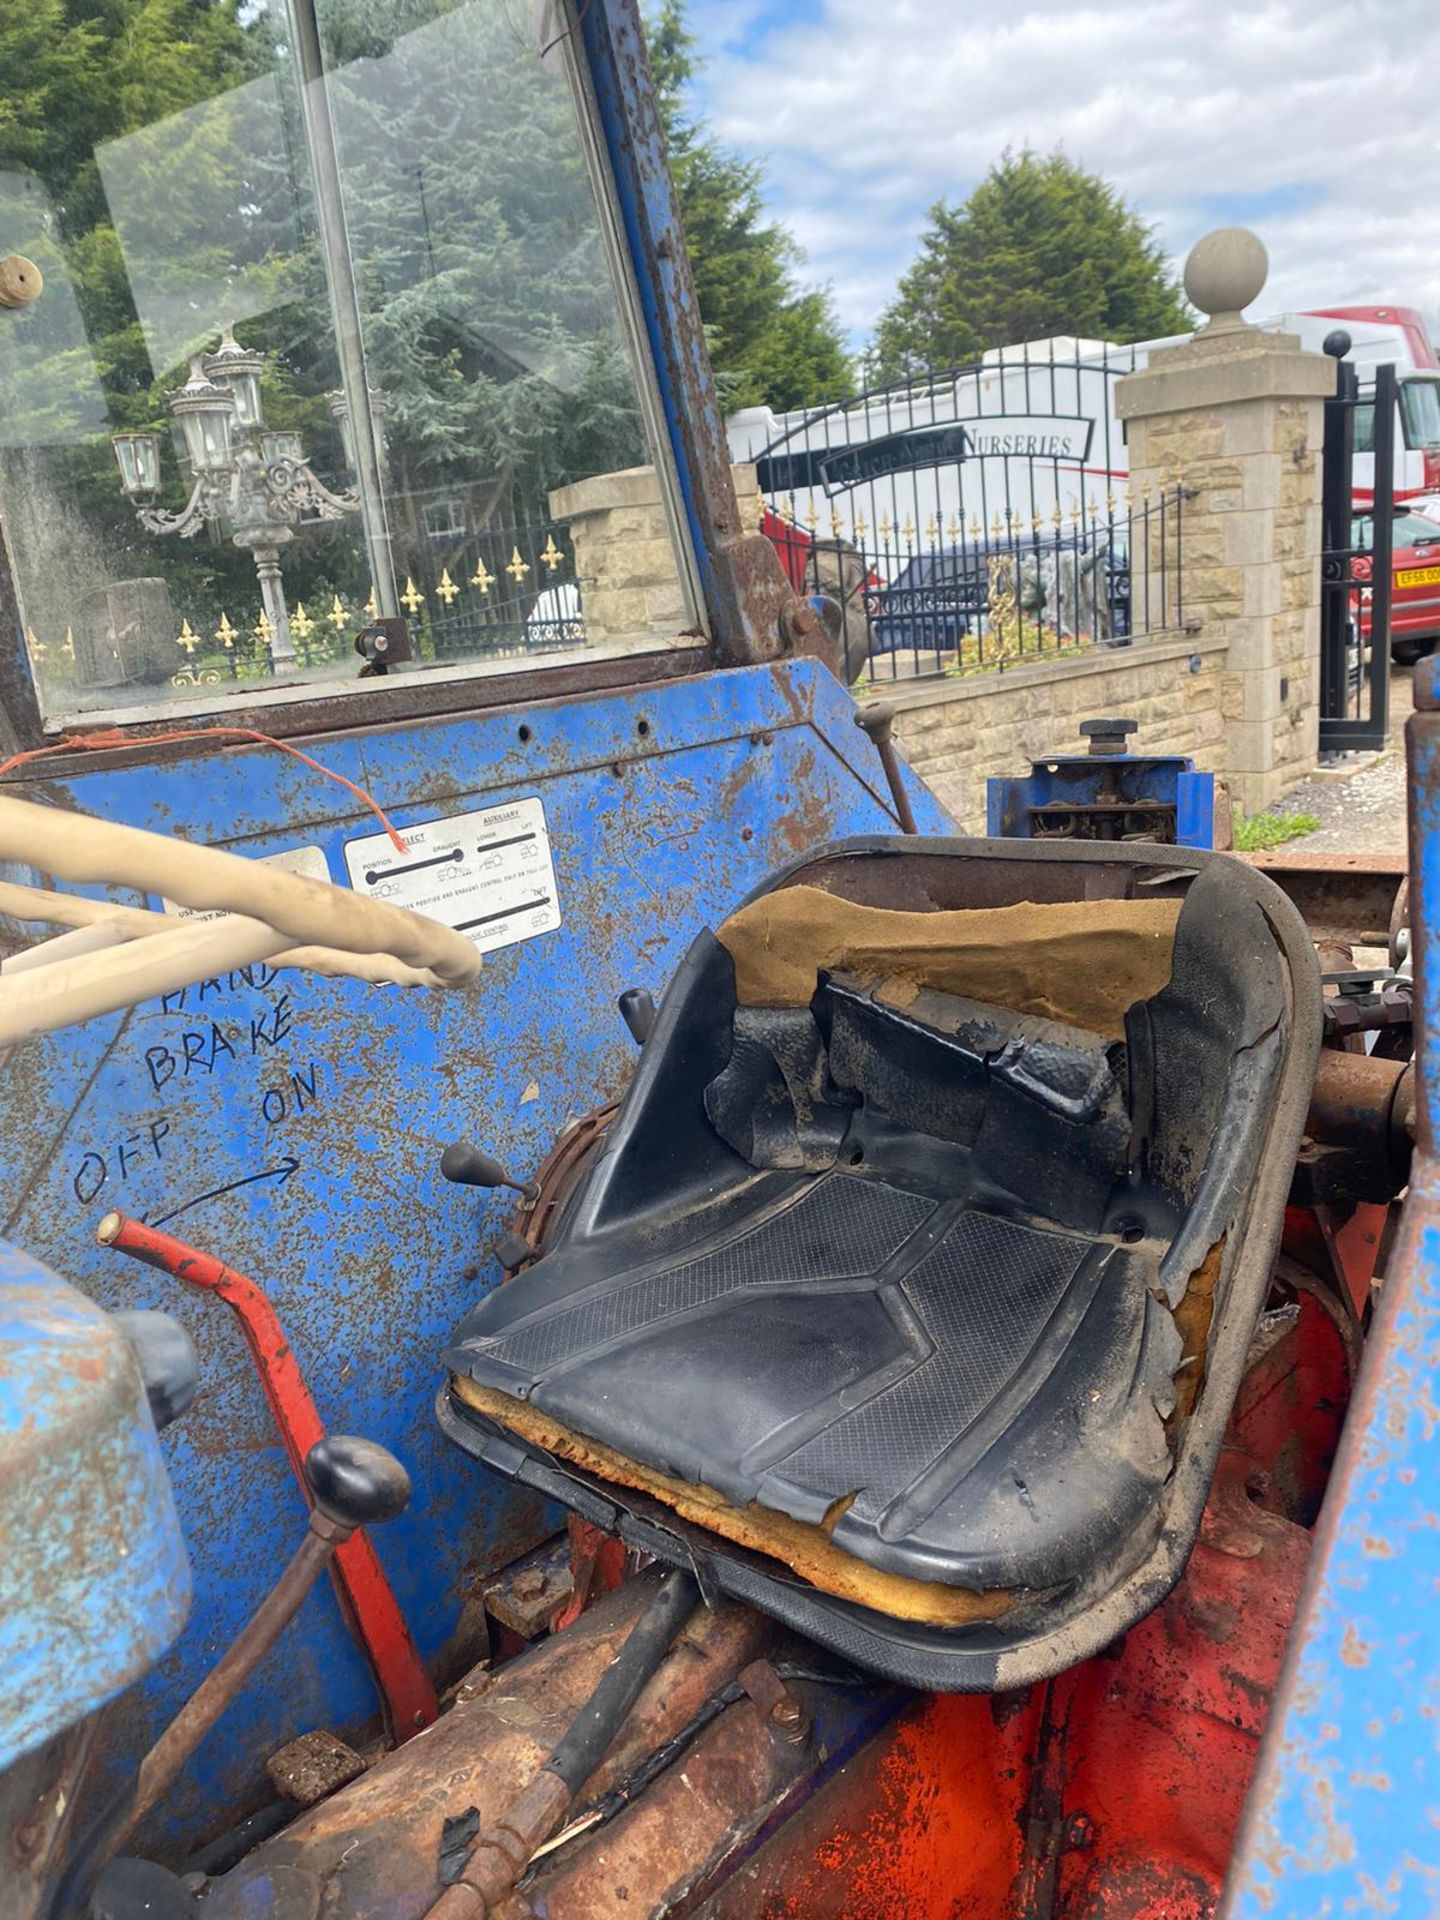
1261	830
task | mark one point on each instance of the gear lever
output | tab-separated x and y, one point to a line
468	1166
355	1483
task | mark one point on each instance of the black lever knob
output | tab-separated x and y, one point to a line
467	1166
166	1357
637	1010
140	1890
355	1481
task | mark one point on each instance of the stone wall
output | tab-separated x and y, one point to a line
624	561
1236	416
955	733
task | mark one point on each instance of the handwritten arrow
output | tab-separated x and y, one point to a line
286	1170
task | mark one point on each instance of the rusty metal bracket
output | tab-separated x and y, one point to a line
784	1714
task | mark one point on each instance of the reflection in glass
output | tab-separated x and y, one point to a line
466	230
206	413
139	458
236	368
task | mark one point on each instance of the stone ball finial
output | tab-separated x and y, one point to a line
1225	271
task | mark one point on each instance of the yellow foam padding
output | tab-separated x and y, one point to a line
807	1550
1081	961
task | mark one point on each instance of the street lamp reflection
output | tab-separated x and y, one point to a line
251	482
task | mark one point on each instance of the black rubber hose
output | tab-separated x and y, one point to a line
586	1741
228	1849
664	1757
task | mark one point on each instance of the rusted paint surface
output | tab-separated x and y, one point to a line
1347	1797
366	1598
94	1584
333	1103
313	1767
925	1822
1353	1096
558	1175
1342	895
1113	1793
679	1834
1291	1409
1345	1812
374	1848
1362	1106
537	1590
1193	1318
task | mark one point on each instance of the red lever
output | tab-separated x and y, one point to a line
366	1597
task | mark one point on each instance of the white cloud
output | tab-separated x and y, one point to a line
1312	120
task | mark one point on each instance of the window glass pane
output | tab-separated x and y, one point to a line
1420	405
1406	530
1365	429
182	417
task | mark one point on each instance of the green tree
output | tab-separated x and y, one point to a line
770	342
1041	247
75	77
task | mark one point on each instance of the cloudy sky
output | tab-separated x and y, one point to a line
1311	120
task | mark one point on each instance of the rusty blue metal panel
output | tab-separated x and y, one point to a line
94	1583
299	1122
1344	1812
746	593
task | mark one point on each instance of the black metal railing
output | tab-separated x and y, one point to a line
502	591
979	599
970	519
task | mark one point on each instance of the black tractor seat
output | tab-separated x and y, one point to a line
910	1290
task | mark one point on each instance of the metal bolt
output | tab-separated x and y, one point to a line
787	1717
1079	1832
799	621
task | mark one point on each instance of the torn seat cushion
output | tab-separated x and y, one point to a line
877	1273
1082	961
804	1548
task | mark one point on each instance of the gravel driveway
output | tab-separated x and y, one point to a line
1366	812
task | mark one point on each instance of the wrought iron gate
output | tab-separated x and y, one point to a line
1356	573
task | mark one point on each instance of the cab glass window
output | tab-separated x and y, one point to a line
329	333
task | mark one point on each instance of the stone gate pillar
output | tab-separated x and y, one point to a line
624	562
1236	416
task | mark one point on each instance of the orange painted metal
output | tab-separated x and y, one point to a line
597	1565
1112	1793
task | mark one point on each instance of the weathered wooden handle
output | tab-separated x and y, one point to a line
21	281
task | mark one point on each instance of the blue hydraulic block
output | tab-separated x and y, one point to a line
1105	794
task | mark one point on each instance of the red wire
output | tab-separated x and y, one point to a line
110	737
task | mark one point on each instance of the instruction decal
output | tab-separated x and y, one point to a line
489	875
